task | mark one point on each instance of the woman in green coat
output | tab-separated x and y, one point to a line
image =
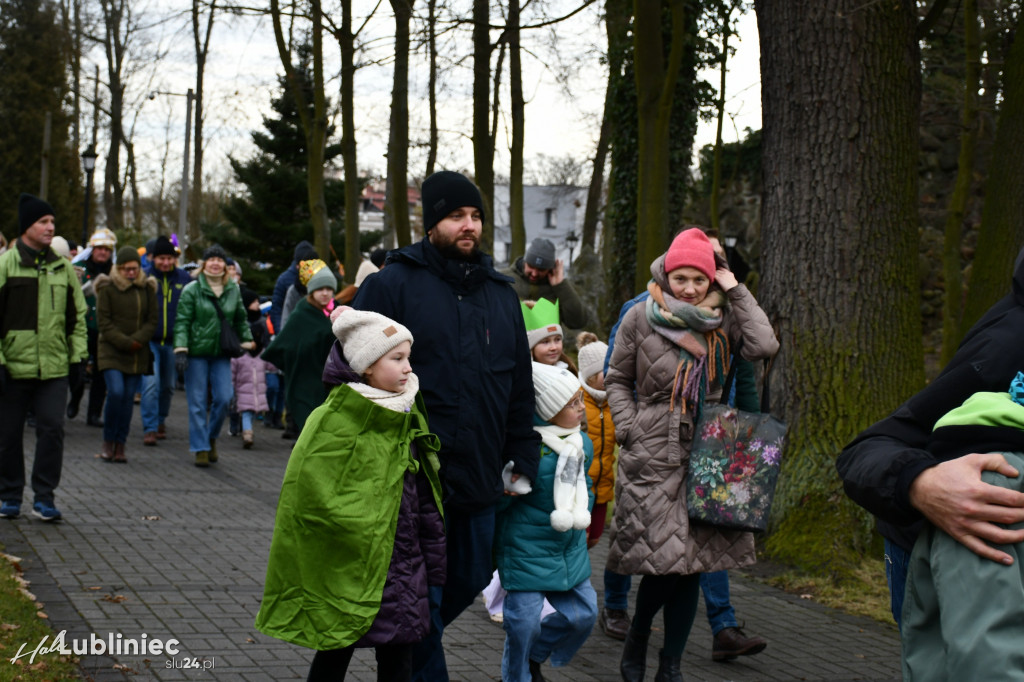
197	351
126	320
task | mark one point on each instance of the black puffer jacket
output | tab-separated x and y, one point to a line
880	464
473	361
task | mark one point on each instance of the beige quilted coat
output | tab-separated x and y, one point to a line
653	535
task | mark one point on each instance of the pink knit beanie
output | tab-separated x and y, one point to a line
691	248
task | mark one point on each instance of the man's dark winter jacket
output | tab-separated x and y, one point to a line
473	361
303	251
168	291
881	463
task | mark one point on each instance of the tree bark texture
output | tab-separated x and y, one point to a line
201	42
483	145
115	22
349	156
1002	219
518	104
840	102
397	207
432	86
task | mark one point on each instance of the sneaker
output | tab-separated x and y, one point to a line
10	509
45	511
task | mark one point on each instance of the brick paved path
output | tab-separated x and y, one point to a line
160	547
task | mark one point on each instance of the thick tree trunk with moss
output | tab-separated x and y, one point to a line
840	94
1002	219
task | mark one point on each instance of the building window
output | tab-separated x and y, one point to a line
550	218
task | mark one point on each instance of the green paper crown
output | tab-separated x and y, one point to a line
543	313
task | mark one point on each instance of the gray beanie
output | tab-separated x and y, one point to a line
322	278
540	254
553	388
366	336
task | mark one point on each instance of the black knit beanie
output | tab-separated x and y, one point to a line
445	191
31	209
216	251
164	247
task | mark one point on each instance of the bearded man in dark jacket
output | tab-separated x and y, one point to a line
888	471
473	361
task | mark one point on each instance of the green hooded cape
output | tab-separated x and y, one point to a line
336	519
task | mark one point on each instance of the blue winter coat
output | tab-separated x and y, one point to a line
473	361
531	555
168	291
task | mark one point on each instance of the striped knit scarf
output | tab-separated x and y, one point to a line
703	346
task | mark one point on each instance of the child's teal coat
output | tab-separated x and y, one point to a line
530	554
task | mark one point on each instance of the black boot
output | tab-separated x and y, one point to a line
291	430
668	668
634	656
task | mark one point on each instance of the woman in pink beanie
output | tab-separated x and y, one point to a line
670	357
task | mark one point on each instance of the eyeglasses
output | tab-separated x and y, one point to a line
128	268
577	402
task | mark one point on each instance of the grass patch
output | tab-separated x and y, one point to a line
865	593
22	621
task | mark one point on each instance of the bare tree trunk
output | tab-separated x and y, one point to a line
1002	219
588	242
716	173
432	85
655	85
841	96
515	186
202	50
482	142
346	40
397	206
314	122
114	44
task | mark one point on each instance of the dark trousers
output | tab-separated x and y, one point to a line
394	664
469	536
97	385
46	399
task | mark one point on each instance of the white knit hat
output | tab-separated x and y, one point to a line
366	268
591	357
60	246
553	388
366	336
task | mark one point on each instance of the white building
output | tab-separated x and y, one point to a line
549	211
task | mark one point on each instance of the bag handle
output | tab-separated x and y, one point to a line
731	377
216	306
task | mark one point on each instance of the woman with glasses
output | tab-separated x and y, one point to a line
126	319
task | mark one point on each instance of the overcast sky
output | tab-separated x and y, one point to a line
564	87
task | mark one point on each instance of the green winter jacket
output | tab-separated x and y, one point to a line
125	313
530	554
42	314
336	519
963	616
196	325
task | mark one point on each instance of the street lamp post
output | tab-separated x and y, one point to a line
89	165
571	240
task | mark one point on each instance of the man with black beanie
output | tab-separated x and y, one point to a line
42	347
476	378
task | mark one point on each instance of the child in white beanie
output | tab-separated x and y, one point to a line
600	429
359	535
540	539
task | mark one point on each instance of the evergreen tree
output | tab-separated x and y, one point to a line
271	216
33	82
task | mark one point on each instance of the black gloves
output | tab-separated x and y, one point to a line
181	362
76	375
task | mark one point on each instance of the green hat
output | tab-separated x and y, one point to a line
127	254
542	320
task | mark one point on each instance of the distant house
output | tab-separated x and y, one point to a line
550	211
371	208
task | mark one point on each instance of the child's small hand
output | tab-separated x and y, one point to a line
513	479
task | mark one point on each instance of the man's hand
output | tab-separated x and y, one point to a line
557	275
76	374
953	497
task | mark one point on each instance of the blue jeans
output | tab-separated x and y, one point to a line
117	415
275	393
204	422
897	560
469	536
559	636
247	416
715	587
158	387
616	590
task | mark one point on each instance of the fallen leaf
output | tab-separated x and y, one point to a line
42	615
807	596
9	626
94	587
151	517
115	598
250	640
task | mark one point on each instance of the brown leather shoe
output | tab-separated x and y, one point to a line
107	453
149	438
161	432
119	453
732	642
614	623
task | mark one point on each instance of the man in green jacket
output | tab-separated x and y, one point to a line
538	274
42	343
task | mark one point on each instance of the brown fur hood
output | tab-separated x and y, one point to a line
118	280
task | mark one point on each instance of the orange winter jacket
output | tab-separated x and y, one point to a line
602	434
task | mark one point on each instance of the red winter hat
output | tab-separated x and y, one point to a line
692	249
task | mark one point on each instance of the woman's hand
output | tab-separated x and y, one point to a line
725	279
